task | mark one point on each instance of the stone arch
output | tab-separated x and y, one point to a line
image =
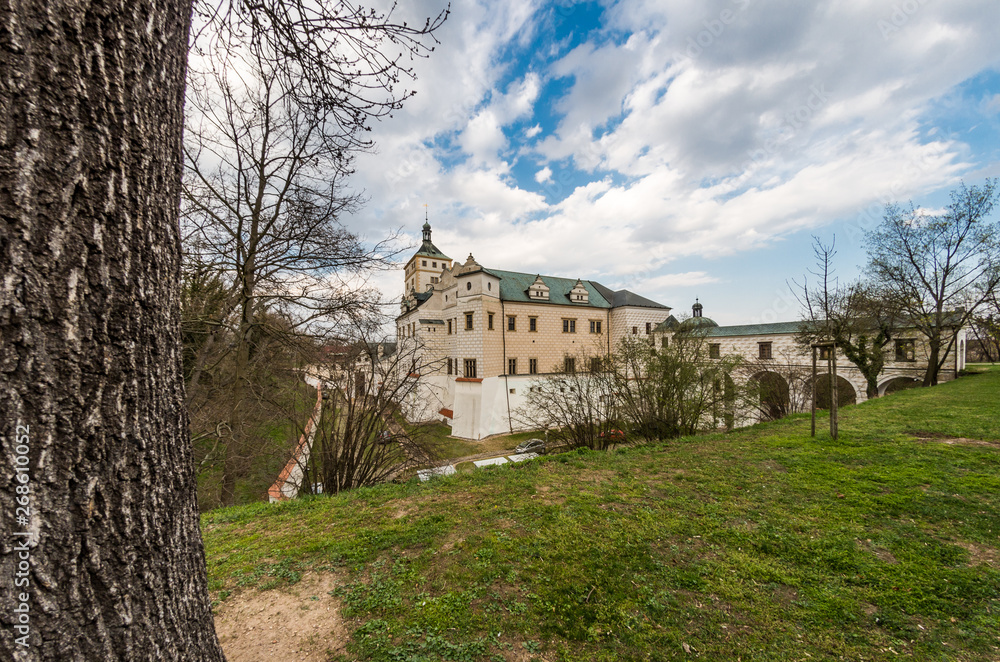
773	396
847	394
898	383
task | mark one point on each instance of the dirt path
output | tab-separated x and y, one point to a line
301	622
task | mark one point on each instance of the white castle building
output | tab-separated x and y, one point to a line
477	336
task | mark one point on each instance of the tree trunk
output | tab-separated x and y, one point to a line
934	346
872	388
112	558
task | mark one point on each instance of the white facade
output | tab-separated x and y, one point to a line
480	335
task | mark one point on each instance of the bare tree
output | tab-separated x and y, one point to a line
361	439
676	389
108	545
576	402
858	318
939	268
986	331
280	96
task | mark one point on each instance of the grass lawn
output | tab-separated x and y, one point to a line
764	544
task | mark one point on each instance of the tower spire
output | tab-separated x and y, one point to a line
427	225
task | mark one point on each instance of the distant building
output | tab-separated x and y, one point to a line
479	335
773	357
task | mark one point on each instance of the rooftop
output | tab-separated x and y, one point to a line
514	287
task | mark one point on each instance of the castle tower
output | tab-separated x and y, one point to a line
425	267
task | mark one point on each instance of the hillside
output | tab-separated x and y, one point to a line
763	544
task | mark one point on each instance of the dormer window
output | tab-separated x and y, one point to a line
538	290
579	293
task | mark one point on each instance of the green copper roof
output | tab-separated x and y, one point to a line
514	287
754	329
430	250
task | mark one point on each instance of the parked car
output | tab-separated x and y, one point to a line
531	446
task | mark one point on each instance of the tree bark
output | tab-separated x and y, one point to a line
933	367
90	360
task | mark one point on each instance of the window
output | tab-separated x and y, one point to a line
569	326
513	391
435	279
512	323
635	330
470	368
824	353
532	366
423	263
468	286
511	366
595	364
764	350
434	264
904	350
468	321
449	365
532	324
663	342
449	327
569	364
489	319
713	350
649	328
595	326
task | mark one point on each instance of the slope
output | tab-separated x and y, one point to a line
764	544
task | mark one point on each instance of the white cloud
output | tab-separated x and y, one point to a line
483	138
673	281
787	118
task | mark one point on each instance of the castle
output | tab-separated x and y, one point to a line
476	337
479	335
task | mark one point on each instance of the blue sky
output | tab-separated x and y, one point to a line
683	148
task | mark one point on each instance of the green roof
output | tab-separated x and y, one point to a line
754	329
514	287
430	250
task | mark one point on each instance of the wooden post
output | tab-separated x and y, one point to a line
834	392
814	393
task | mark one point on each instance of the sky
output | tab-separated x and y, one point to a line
682	148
